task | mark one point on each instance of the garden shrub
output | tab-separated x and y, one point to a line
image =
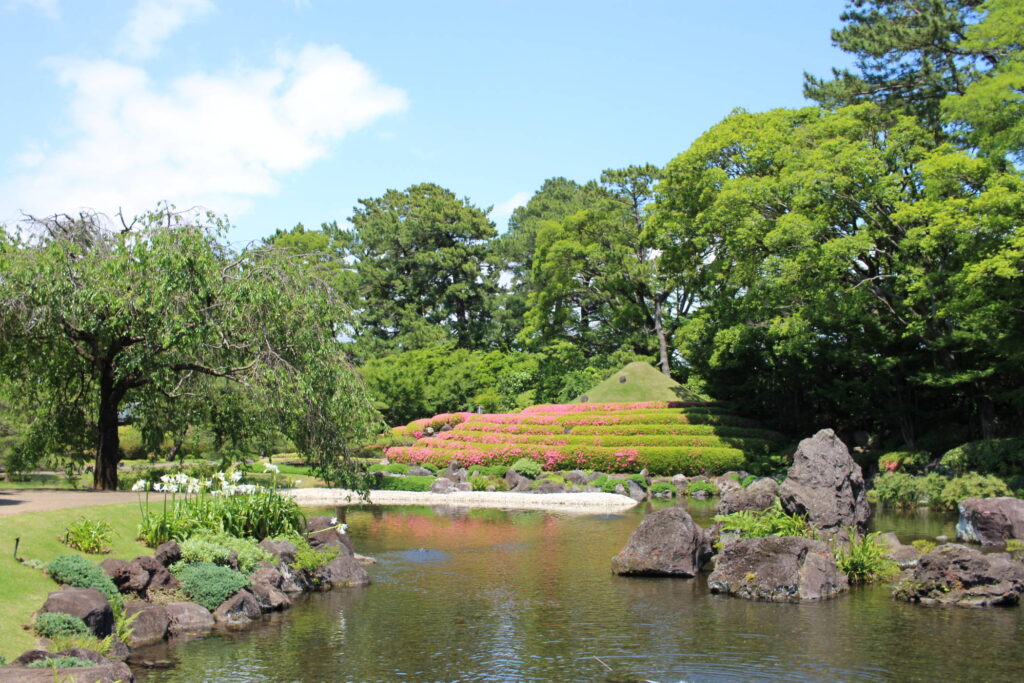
663	486
865	559
89	536
61	663
488	471
50	624
899	490
310	559
924	545
75	570
694	486
393	468
480	482
1002	457
216	549
772	521
527	467
209	584
406	483
971	485
910	462
85	641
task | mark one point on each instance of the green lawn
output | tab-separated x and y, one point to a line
23	589
643	383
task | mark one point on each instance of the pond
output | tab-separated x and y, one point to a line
490	595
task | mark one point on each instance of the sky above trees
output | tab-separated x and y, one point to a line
292	110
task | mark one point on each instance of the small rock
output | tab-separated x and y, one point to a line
341	571
270	598
905	556
167	553
88	604
443	485
576	477
151	624
267	575
188	618
667	542
760	494
282	550
419	472
238	610
636	491
551	487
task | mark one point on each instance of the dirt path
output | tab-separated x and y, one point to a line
17	501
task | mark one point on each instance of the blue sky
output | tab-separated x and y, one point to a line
281	111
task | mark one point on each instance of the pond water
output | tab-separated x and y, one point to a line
490	595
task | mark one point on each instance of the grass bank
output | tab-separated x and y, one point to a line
23	589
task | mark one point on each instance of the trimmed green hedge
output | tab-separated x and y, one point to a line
407	483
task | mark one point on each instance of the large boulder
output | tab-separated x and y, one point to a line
239	610
905	556
283	551
342	571
270	598
517	482
443	485
957	575
826	485
777	569
188	619
324	531
667	543
990	521
118	672
167	553
760	494
88	604
151	624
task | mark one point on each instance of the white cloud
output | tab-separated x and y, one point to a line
154	21
501	212
214	140
50	8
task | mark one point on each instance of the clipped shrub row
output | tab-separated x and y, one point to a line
455	439
657	460
678	429
900	490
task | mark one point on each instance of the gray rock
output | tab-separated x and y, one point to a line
342	571
760	494
114	672
636	491
323	531
777	569
267	575
292	580
167	553
961	576
455	473
115	569
270	598
826	485
667	543
419	472
594	475
517	482
578	477
443	485
990	521
551	487
88	604
144	574
283	551
464	486
700	494
905	556
726	482
151	624
188	619
237	611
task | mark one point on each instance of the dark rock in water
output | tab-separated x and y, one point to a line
238	610
267	575
419	472
777	569
167	553
283	551
990	521
667	542
957	575
443	485
343	570
151	624
904	555
826	485
88	604
270	598
118	651
760	494
188	619
323	531
293	580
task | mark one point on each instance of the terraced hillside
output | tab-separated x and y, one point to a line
664	437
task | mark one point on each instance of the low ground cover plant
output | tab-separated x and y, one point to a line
664	486
79	572
50	624
865	558
693	487
61	663
218	549
527	467
89	536
209	584
772	521
406	483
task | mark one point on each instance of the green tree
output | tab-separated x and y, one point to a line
97	325
425	271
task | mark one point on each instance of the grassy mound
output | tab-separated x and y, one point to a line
663	437
639	382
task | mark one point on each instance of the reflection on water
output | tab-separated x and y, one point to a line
468	595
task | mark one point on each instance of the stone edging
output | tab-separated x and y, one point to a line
567	502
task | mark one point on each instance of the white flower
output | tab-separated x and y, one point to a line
220	475
343	528
298	481
140	485
171	488
165	478
236	476
270	467
334	520
158	487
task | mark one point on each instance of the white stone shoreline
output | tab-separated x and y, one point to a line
567	502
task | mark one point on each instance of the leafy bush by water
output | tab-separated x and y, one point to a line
1003	457
89	536
527	467
79	572
217	548
209	584
663	486
911	462
407	483
772	521
864	559
699	485
971	485
899	490
50	624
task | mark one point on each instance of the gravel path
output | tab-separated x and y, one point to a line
17	501
570	502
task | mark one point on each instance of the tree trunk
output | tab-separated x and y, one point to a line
104	475
659	329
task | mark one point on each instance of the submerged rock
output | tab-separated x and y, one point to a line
990	521
777	569
957	575
826	485
667	543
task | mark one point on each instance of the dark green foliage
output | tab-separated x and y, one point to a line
217	549
209	584
407	483
79	572
527	467
911	462
901	490
662	486
1002	457
310	559
694	486
393	468
49	624
972	485
865	558
773	521
482	482
61	663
